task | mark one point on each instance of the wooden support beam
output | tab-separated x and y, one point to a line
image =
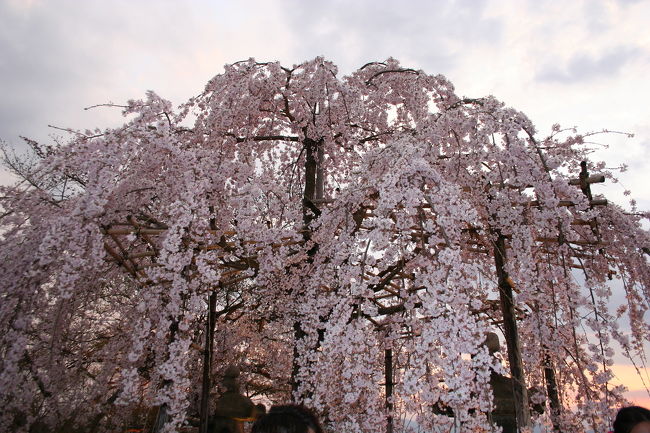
126	229
142	254
569	203
146	238
131	230
594	178
575	242
386	311
119	259
579	222
123	258
571	265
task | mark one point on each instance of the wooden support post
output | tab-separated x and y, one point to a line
584	180
207	363
319	194
388	379
553	396
512	337
311	172
161	419
585	185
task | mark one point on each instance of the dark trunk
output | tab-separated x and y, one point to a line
313	187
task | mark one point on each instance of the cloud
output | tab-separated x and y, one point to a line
58	57
583	67
628	2
426	33
37	66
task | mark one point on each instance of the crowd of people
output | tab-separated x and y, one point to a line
299	419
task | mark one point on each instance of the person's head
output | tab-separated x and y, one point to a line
289	418
632	419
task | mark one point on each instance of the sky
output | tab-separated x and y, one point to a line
577	63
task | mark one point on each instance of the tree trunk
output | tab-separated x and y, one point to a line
310	212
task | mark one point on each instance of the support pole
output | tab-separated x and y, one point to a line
388	379
520	391
553	396
320	173
161	419
207	363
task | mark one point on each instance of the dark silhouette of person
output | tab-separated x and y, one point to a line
632	419
291	418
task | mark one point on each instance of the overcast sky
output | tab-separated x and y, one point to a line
577	63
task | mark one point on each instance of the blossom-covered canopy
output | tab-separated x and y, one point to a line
358	236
